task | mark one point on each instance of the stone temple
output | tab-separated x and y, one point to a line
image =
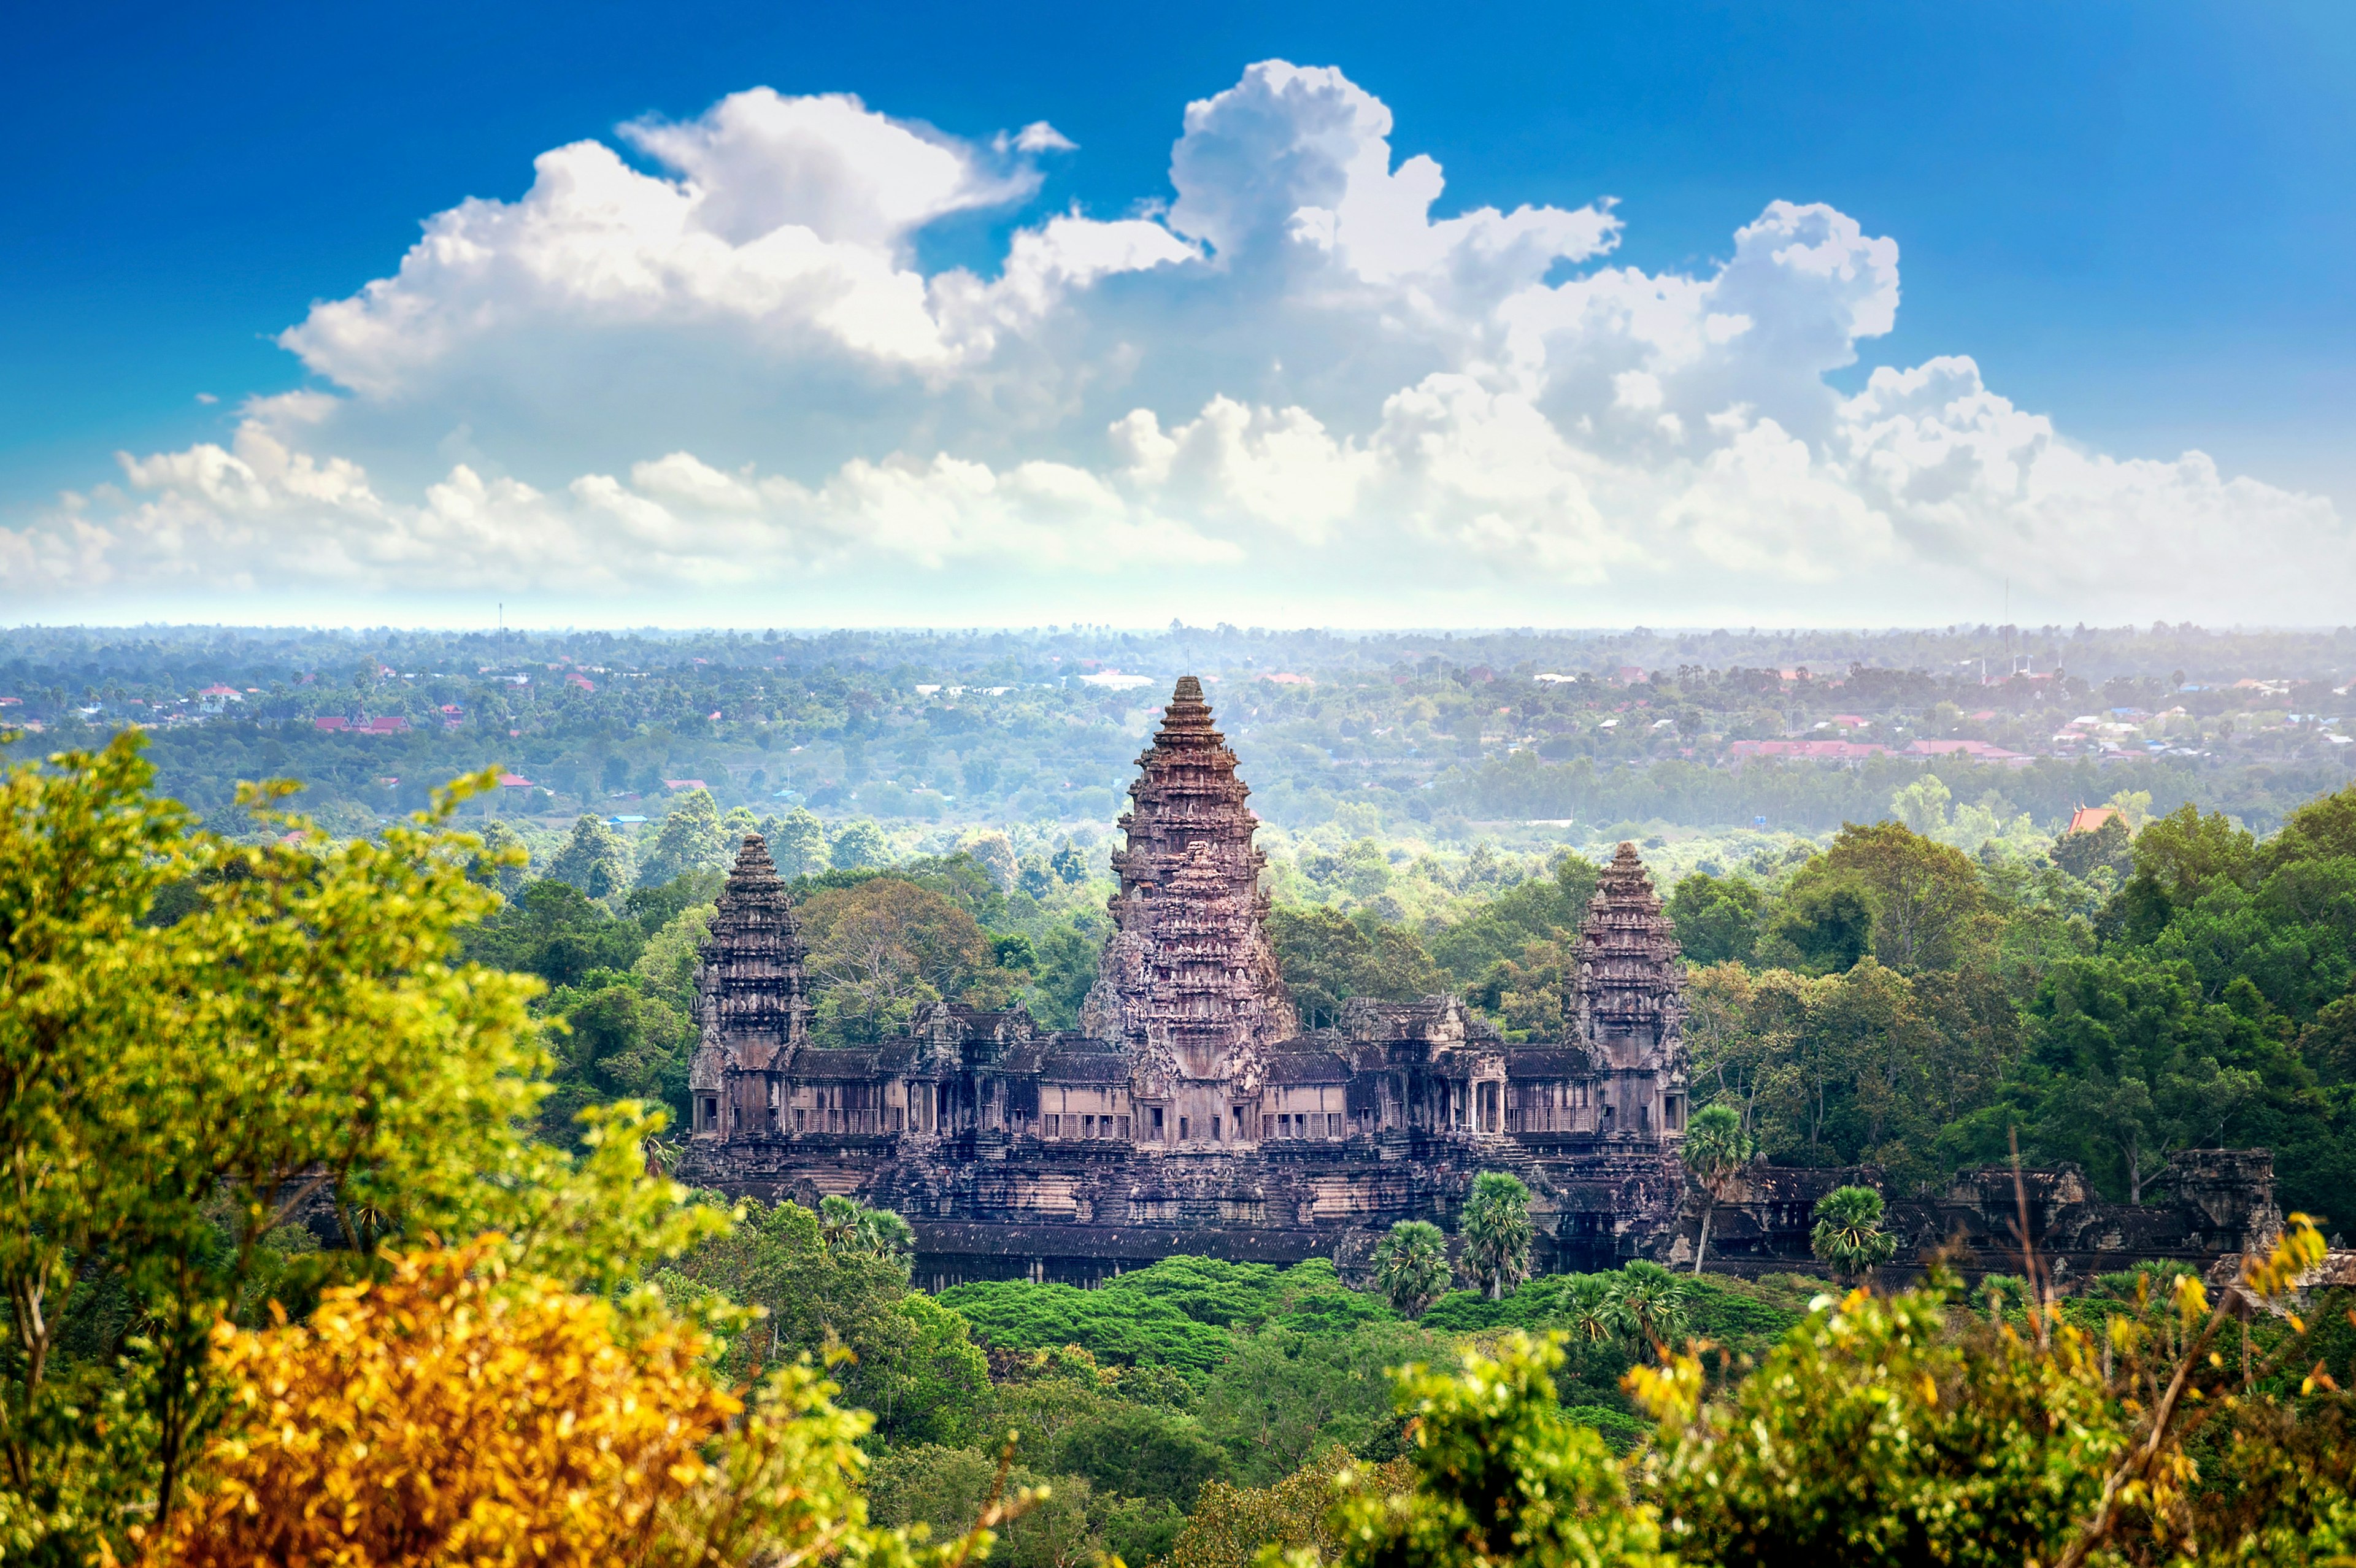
1191	1113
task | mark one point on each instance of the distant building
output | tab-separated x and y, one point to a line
1192	1112
2088	818
1807	750
1978	750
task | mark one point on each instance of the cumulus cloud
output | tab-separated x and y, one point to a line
722	378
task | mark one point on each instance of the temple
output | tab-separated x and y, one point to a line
1191	1113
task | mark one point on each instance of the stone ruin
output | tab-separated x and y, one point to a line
1191	1113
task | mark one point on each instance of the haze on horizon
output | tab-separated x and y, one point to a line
836	358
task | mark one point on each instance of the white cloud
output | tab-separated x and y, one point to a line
1295	378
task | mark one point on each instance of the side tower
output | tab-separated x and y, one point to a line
1189	987
752	1001
1628	1003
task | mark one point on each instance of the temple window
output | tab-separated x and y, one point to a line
1120	1127
1157	1124
1054	1125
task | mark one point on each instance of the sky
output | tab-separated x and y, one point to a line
1561	315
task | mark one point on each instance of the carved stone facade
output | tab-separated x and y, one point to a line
1191	1113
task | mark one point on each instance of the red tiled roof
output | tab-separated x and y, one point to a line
2088	818
331	722
515	781
1820	751
684	783
1983	750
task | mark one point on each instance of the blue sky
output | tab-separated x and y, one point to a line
2134	220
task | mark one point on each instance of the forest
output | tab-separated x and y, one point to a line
1524	740
339	1228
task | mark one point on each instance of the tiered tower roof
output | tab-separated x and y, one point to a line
1189	972
751	993
1187	793
1631	973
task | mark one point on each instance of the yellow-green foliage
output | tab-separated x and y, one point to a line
1500	1473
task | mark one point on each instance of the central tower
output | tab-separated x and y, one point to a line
1189	989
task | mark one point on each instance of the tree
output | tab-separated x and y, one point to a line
842	1281
1928	907
2183	855
504	861
691	839
173	1092
594	859
458	1411
1071	869
884	947
1411	1265
452	1413
1544	909
1497	1233
1717	918
1285	1392
1714	1152
553	930
1500	1473
860	845
1849	1233
1649	1305
1328	957
1824	926
1064	969
1897	1431
2324	828
1231	1526
618	1043
797	843
944	1489
2082	852
853	1229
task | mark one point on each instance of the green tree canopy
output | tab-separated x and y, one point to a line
593	859
691	839
1411	1265
884	947
1717	918
1849	1233
1497	1233
1328	957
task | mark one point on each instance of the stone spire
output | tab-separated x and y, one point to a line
752	1000
1628	1001
1189	983
1631	973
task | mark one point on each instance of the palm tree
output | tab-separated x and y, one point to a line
1497	1233
1649	1304
884	1235
1716	1150
837	1220
1849	1233
1411	1265
1589	1312
854	1229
